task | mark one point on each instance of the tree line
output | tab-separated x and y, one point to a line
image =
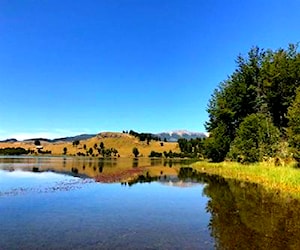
14	151
144	136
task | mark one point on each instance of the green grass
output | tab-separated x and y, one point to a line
283	179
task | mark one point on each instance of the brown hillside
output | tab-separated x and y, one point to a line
124	143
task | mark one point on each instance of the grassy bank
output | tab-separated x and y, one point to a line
283	179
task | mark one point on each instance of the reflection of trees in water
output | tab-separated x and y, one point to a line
185	174
155	162
74	170
135	162
189	174
168	162
244	216
100	166
142	179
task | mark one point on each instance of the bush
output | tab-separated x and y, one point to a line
155	154
14	151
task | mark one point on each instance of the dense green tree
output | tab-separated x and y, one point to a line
14	151
76	143
281	75
37	142
155	154
108	152
191	148
65	150
293	130
114	151
144	136
256	138
264	82
217	144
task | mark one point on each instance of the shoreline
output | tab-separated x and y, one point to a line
284	180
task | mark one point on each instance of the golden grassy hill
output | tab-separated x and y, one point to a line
124	143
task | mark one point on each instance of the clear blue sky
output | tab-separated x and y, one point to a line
83	66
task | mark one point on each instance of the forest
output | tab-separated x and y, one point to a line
254	114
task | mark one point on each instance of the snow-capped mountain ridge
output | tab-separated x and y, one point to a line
174	135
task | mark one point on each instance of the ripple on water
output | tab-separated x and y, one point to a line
21	183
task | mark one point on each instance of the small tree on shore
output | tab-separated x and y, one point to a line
135	151
76	143
37	142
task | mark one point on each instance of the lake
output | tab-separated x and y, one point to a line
56	203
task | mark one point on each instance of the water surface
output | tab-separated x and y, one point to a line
59	211
54	203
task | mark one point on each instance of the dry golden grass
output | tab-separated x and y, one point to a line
124	143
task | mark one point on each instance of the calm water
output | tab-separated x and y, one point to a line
66	209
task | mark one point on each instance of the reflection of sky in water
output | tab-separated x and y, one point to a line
31	175
41	210
100	216
17	182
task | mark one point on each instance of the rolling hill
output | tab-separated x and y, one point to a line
124	143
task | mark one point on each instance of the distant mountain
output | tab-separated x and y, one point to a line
39	139
74	138
64	139
173	136
10	140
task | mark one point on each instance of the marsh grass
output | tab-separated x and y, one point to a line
282	179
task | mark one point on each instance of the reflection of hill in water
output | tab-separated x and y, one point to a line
103	170
186	177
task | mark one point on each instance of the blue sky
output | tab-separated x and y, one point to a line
70	66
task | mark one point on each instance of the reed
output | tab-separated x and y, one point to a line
283	179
